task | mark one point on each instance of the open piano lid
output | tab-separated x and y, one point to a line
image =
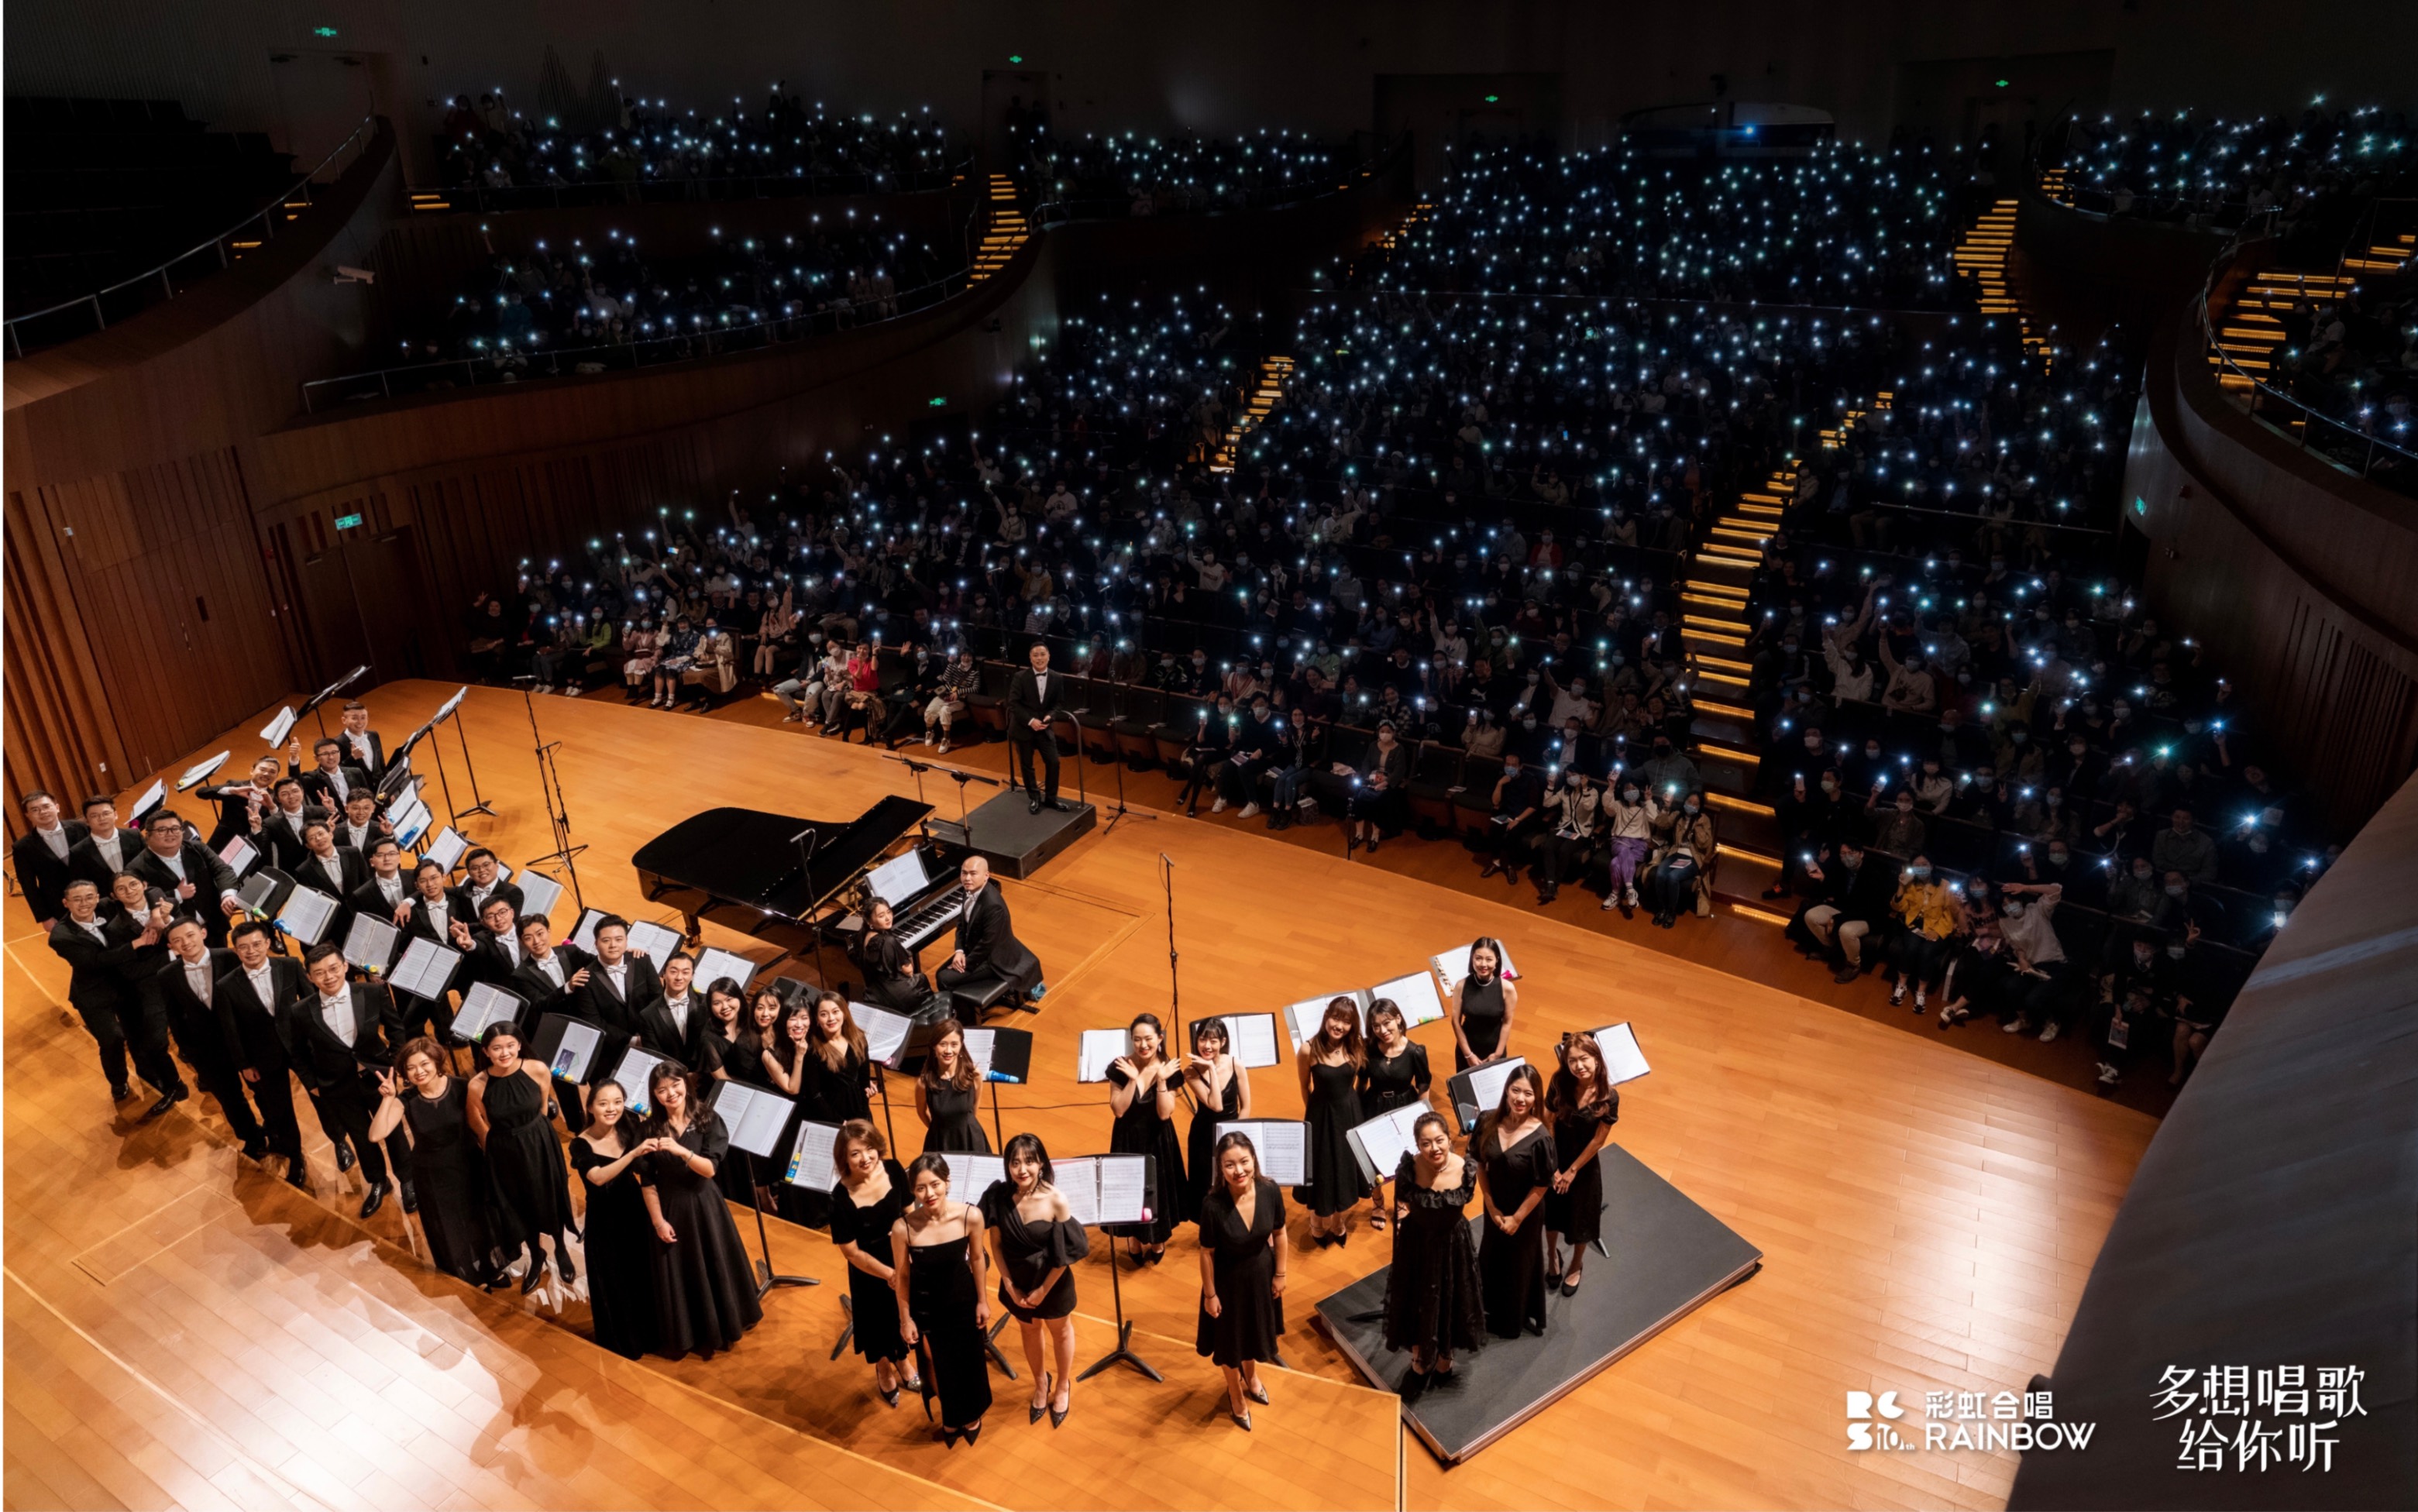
744	856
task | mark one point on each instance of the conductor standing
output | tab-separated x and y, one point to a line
1035	701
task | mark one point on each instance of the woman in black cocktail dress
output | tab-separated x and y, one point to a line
948	1097
866	1203
1584	1106
1243	1264
511	1113
1515	1167
1431	1294
1037	1240
448	1171
619	1239
935	1252
1141	1093
1395	1075
1330	1062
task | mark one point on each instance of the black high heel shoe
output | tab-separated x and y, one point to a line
888	1398
970	1435
1043	1406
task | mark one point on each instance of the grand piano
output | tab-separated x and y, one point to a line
750	871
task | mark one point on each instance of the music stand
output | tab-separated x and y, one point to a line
1011	1061
1120	811
767	1278
451	710
1124	1353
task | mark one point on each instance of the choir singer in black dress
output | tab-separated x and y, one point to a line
1035	1240
1243	1264
892	978
705	1289
1582	1105
449	1172
948	1096
1330	1063
1396	1076
1220	1087
618	1239
838	1069
1431	1294
511	1112
937	1258
1515	1167
866	1203
1481	1012
1141	1095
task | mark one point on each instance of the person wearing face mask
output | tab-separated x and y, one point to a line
1844	900
1910	690
1567	834
2202	996
1517	800
1809	815
2138	905
1668	773
2040	987
1630	815
2182	847
1896	830
1926	917
1934	788
1680	877
2041	815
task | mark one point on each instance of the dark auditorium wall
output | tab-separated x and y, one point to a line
1249	64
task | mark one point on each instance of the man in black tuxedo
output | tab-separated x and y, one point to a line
1036	699
336	1031
238	801
106	848
175	861
621	985
189	988
41	857
362	746
551	978
328	782
986	943
362	825
384	890
248	1002
98	954
328	867
482	877
677	1023
495	945
277	829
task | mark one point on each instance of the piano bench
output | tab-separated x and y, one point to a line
970	999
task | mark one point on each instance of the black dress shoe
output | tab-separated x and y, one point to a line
411	1199
1033	807
536	1277
562	1264
1064	805
298	1175
119	1091
343	1156
376	1201
166	1102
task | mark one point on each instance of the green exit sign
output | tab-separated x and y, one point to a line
348	522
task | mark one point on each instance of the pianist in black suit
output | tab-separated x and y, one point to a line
100	953
189	989
1034	702
248	1002
106	848
678	1022
238	801
621	984
892	978
362	746
201	886
987	943
483	879
328	782
338	1033
41	857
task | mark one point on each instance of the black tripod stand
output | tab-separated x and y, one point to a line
549	782
1124	1353
1120	811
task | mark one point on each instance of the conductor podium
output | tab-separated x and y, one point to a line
1663	1256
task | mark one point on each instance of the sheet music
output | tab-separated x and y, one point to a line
503	874
657	943
254	894
1415	995
240	854
753	1117
199	772
1452	967
426	970
275	731
446	712
637	1065
978	1047
1283	1148
584	933
1079	1179
971	1175
1622	1059
811	1165
1486	1084
1384	1140
1302	1019
486	1004
410	822
714	964
152	798
306	914
370	942
1098	1052
1252	1037
577	1052
1125	1191
539	893
446	849
885	1033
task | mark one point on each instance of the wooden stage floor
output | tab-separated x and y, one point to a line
183	1329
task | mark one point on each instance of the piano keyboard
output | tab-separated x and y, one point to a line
932	918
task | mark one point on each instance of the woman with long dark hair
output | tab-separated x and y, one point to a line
1395	1075
1220	1089
449	1171
838	1064
1481	1012
1243	1264
785	1066
1141	1093
936	1255
1036	1242
617	1236
1515	1167
1433	1305
510	1111
892	978
726	1008
1330	1063
705	1288
865	1202
1584	1106
948	1096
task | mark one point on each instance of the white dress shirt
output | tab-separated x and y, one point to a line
262	983
57	838
198	976
337	1013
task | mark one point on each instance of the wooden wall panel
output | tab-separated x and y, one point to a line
61	734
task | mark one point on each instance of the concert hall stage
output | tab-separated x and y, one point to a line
1015	840
1666	1257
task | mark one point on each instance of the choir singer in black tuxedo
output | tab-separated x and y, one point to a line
362	746
189	989
336	1031
987	943
100	952
249	1002
622	984
1035	700
41	857
201	886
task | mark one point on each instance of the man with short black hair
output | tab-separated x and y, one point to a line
1036	699
189	987
97	953
337	1032
621	984
106	848
328	782
482	878
249	1002
41	857
178	865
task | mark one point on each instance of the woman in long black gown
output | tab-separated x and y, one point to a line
1515	1167
785	1066
449	1172
705	1289
948	1097
1584	1106
1431	1294
1035	1240
838	1064
617	1236
743	1177
1220	1089
511	1112
1141	1095
865	1202
936	1252
892	978
1482	1011
1329	1062
726	1008
1243	1264
1396	1076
